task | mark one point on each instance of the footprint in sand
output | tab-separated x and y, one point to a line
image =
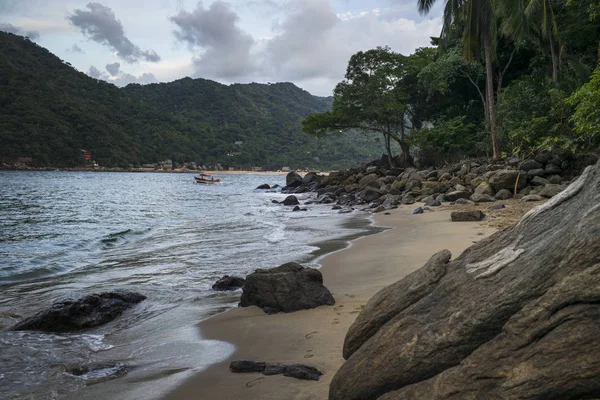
253	382
310	335
350	295
335	321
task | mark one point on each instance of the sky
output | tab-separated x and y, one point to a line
307	42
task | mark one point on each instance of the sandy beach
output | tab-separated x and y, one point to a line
315	337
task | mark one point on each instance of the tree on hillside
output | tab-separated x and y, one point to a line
371	98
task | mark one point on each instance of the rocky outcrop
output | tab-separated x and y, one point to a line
298	371
293	179
76	315
515	316
245	366
228	283
289	287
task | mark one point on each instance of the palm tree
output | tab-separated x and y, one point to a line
479	19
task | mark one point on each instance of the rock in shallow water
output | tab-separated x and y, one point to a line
75	315
228	283
289	287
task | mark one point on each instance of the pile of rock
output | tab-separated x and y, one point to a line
298	371
381	187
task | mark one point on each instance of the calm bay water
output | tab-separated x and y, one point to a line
68	234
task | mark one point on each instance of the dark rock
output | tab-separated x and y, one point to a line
371	169
506	179
539	181
503	194
466	216
536	172
387	213
264	186
291	200
552	169
274	202
75	315
289	287
497	207
556	179
482	198
336	207
407	199
293	179
301	189
326	198
551	190
531	197
369	194
229	283
457	194
300	371
514	317
379	209
531	164
345	211
543	158
274	186
243	366
310	177
274	369
433	203
98	371
297	208
418	210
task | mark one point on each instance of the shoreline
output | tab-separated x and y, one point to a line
315	337
161	171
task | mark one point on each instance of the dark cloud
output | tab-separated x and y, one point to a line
96	73
18	31
305	43
101	25
75	49
113	69
222	48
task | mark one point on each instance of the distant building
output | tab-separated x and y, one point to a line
257	169
24	160
165	164
148	166
238	143
86	155
231	169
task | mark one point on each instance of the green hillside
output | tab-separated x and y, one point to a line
49	111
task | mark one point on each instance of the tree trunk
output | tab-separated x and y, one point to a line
554	61
489	77
388	147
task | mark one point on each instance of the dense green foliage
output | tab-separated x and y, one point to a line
508	78
49	111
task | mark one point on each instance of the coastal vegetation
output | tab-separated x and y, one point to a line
49	112
504	79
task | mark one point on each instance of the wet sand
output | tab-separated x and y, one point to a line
315	337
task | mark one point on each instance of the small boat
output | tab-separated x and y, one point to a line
206	178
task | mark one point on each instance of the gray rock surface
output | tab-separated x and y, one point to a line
515	316
551	190
289	287
506	179
293	179
291	200
244	366
481	198
76	315
503	194
457	194
466	216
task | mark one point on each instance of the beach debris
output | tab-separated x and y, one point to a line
228	283
298	371
289	287
75	315
466	216
243	366
418	210
515	316
264	186
291	200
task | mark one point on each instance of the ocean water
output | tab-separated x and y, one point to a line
68	234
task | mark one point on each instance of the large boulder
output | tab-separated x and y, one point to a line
458	194
467	216
293	179
506	179
515	316
485	188
289	287
291	200
311	177
369	180
84	313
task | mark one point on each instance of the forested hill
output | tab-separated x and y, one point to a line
49	111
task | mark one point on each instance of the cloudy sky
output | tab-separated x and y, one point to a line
307	42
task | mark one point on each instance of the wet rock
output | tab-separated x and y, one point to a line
274	369
336	207
297	208
293	179
289	287
310	178
482	198
243	366
76	315
300	371
531	197
228	283
418	210
274	202
291	200
503	194
345	211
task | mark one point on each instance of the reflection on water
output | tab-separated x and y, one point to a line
67	234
